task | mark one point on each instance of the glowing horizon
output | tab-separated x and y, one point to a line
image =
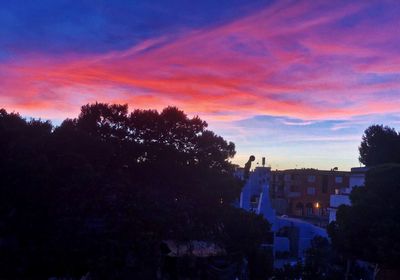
297	81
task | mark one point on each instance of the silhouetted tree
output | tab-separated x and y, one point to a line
100	192
322	262
380	144
368	229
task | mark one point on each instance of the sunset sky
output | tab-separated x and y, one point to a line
295	81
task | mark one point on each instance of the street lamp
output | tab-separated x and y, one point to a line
317	207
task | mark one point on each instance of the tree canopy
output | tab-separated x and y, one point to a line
380	144
100	192
369	228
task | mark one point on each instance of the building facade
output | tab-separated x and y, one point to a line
305	193
357	179
292	237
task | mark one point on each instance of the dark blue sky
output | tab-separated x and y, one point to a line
55	26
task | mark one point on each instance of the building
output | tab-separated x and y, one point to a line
341	196
292	237
255	193
305	193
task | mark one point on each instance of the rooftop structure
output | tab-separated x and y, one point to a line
291	236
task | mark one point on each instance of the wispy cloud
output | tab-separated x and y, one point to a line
277	61
298	123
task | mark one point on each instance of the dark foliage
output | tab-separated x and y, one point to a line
322	262
100	192
380	144
369	228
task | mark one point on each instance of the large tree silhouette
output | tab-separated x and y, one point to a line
100	192
368	228
380	144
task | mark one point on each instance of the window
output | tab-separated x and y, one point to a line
309	209
311	178
254	199
299	209
320	211
311	191
325	184
254	202
293	188
338	179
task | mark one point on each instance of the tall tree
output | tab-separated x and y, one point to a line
100	192
380	144
367	228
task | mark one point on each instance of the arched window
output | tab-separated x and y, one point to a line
320	209
299	211
309	209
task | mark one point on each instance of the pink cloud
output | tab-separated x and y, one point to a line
277	61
